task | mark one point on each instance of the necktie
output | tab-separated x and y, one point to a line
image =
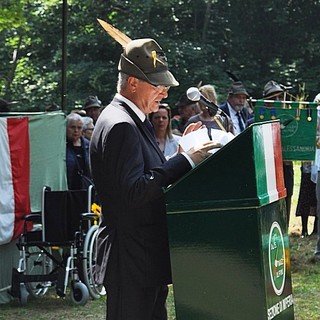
150	128
240	121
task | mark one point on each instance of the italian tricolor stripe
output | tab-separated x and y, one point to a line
15	176
268	163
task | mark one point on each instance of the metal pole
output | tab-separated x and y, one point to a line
64	55
284	102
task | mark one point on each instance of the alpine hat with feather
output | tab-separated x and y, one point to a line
142	58
271	90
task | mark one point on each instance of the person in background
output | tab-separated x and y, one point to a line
78	111
236	106
273	91
53	107
77	153
316	178
92	107
130	173
168	142
186	109
88	127
219	122
5	105
307	201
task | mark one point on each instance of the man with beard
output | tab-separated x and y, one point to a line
235	106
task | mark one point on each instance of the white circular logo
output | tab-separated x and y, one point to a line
277	261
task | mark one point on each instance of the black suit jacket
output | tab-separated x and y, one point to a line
129	172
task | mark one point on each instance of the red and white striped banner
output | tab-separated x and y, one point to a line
14	176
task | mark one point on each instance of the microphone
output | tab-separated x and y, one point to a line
195	95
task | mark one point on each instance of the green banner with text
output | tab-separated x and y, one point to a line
298	123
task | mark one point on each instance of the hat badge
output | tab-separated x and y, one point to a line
155	58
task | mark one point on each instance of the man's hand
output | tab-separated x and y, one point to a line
191	127
201	152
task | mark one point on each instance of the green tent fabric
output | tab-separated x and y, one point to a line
48	155
9	256
47	139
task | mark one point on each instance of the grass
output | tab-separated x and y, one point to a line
304	271
305	275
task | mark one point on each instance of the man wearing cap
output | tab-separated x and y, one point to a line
129	173
273	91
92	107
235	106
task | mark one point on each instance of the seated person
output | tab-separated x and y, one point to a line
77	155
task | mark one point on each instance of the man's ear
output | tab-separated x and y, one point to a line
132	84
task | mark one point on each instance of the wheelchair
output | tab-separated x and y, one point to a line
88	260
57	247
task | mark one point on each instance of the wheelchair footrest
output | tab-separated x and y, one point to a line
19	277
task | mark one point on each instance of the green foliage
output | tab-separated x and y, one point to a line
256	40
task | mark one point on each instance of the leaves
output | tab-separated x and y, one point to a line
256	40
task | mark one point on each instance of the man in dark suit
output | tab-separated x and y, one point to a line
129	173
235	106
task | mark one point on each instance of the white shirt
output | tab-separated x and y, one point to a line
235	120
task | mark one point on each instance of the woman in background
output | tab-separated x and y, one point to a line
211	122
77	155
88	127
168	143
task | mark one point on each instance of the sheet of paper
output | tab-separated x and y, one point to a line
201	136
194	138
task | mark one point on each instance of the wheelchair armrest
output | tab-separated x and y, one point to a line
89	216
34	217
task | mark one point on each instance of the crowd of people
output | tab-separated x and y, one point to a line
134	153
166	130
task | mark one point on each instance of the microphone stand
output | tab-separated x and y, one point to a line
194	94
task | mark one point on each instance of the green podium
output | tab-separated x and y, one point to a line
228	233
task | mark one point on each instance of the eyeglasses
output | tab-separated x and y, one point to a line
161	87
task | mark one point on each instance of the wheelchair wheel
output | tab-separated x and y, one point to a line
38	263
89	250
79	293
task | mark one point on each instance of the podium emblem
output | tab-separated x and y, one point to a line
277	261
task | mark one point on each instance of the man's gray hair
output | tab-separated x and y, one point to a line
122	81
